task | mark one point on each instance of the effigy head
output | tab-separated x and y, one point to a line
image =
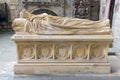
18	24
25	14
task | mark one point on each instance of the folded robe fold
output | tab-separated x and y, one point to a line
48	24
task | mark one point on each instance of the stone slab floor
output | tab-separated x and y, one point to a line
8	58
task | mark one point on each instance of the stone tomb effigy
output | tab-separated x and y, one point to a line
52	44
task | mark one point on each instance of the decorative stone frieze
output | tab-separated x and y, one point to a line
90	51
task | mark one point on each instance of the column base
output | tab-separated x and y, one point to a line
51	68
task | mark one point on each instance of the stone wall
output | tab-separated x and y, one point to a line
13	8
16	6
12	14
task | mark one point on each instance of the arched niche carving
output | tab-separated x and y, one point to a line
40	11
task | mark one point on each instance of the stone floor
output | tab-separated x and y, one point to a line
8	58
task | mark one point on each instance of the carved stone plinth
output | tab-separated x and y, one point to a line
62	53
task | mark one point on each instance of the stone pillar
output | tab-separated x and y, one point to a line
14	9
116	27
104	9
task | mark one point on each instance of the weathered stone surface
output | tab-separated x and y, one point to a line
48	24
7	52
62	53
75	53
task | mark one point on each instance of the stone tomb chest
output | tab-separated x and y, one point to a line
52	44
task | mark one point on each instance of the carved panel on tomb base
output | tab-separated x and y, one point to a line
45	51
80	51
97	51
26	51
62	51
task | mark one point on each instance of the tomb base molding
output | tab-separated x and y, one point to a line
44	54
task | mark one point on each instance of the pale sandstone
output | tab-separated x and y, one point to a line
83	50
47	24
